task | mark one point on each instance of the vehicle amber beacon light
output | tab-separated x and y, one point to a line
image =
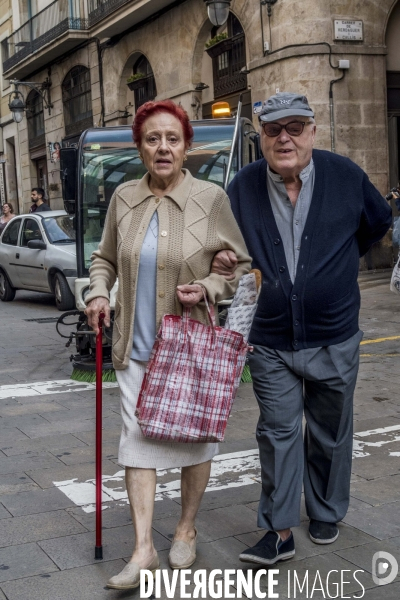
220	109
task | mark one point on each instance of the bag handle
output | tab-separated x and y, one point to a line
186	316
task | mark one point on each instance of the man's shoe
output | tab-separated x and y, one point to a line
322	532
269	550
129	578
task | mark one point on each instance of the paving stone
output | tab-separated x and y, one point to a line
78	550
384	592
2	596
9	436
37	501
45	478
54	524
34	408
55	428
84	454
4	514
362	556
16	482
215	524
49	442
118	514
23	422
15	464
23	561
84	583
382	522
378	491
377	465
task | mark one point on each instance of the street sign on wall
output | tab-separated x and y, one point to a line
348	30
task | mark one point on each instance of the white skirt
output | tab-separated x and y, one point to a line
135	450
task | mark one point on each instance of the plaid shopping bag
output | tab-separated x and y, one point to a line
191	380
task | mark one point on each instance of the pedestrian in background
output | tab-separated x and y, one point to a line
8	214
306	216
37	196
160	236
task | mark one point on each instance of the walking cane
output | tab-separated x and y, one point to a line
98	553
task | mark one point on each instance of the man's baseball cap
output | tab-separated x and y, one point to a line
285	104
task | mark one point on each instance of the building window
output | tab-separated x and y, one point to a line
34	115
77	100
145	89
226	67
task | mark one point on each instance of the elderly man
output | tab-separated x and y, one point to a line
306	216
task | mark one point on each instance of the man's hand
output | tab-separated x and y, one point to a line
93	310
225	263
189	295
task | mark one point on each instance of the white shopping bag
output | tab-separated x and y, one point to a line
395	280
244	305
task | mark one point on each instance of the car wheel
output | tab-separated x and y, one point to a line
64	297
7	292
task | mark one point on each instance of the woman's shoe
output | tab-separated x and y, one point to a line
129	578
183	554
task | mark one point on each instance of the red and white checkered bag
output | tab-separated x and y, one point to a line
191	380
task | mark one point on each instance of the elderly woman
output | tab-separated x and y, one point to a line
159	239
8	214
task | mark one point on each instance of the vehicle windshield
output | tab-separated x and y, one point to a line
60	230
108	164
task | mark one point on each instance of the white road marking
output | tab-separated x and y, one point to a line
387	433
41	388
239	468
228	471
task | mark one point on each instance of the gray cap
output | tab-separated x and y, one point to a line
285	104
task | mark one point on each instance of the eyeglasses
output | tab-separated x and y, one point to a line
294	128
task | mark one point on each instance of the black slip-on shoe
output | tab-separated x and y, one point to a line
269	550
322	532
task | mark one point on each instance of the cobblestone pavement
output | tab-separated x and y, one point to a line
47	468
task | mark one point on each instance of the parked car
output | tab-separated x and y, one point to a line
38	253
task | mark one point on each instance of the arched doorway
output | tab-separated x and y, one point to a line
143	83
77	101
226	47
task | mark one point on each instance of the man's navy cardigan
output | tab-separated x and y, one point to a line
347	215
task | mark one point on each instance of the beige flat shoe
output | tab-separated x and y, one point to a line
182	554
129	578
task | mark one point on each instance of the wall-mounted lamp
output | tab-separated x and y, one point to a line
269	4
17	103
218	11
199	87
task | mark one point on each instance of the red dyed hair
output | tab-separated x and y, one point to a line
152	108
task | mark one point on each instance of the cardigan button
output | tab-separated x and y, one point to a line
295	343
164	234
277	241
161	294
282	269
161	267
297	322
294	297
157	200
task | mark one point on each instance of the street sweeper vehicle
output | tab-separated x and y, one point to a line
103	159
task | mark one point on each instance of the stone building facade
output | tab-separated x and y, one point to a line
92	47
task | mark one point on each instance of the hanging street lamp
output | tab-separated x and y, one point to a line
218	11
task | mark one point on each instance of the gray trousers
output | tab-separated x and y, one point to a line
320	382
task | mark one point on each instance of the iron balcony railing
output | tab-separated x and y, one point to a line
227	68
98	9
45	26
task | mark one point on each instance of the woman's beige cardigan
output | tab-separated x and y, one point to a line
195	222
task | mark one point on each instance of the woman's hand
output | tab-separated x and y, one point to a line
93	310
189	295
